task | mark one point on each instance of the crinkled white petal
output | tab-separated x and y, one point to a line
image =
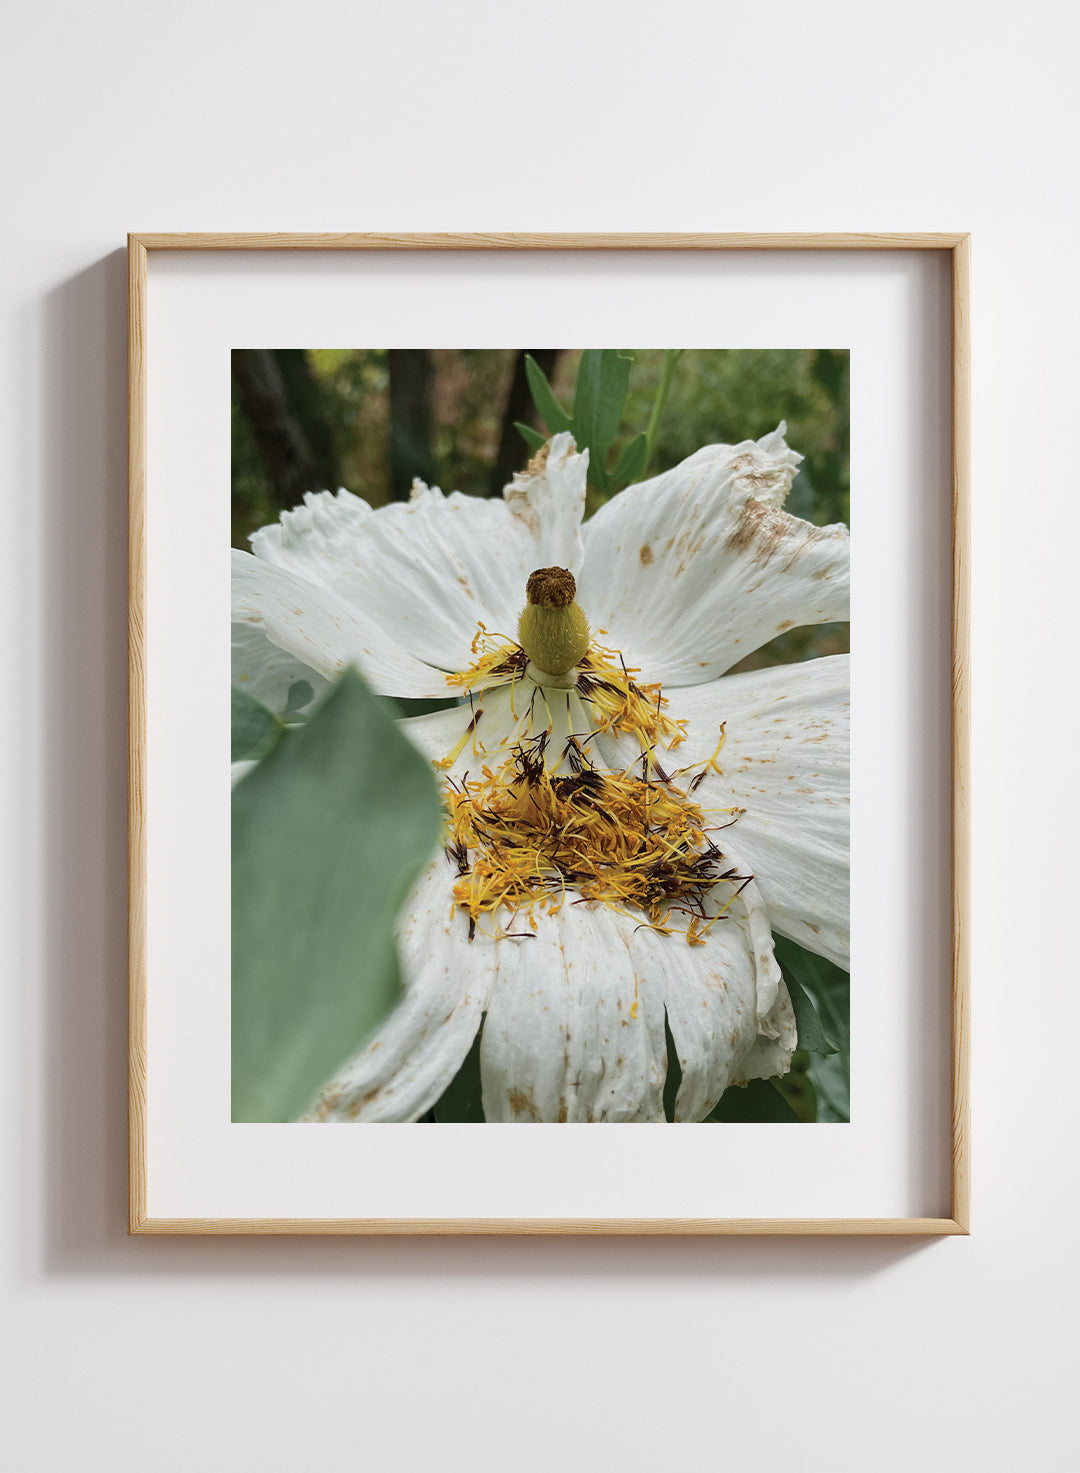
320	630
568	1035
777	1040
407	1065
427	571
267	672
694	569
785	760
713	996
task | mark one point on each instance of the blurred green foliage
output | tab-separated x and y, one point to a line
716	395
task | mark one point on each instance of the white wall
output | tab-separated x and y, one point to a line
475	1355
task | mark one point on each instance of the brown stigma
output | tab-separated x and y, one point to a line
551	588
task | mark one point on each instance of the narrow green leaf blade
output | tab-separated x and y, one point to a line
587	404
533	438
811	1034
827	984
631	462
548	407
603	379
255	728
614	382
329	833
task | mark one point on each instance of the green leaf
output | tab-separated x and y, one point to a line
798	1088
631	462
811	1035
328	834
461	1102
255	728
602	382
833	1087
758	1102
548	407
827	984
533	438
829	989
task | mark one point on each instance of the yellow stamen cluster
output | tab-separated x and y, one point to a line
499	660
524	837
620	707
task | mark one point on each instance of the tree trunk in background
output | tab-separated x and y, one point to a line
410	419
513	452
285	449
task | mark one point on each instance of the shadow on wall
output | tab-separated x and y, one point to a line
77	1164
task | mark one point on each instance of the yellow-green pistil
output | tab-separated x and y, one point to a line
552	629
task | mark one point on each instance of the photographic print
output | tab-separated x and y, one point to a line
540	699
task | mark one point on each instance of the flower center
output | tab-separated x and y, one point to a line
552	630
523	837
548	823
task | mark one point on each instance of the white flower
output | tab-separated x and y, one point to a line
743	776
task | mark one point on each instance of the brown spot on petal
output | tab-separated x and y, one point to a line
761	528
646	555
522	1105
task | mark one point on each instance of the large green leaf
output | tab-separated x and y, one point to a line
328	834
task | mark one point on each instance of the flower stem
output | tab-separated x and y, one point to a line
671	357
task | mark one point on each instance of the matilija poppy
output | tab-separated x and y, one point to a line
626	824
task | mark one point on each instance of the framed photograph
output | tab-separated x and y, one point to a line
571	736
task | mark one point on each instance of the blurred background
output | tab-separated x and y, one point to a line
371	420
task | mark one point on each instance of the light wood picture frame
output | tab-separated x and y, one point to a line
955	248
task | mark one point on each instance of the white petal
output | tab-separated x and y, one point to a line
427	571
418	1050
711	995
267	672
774	1045
785	760
696	568
489	722
549	500
240	769
322	631
568	1036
